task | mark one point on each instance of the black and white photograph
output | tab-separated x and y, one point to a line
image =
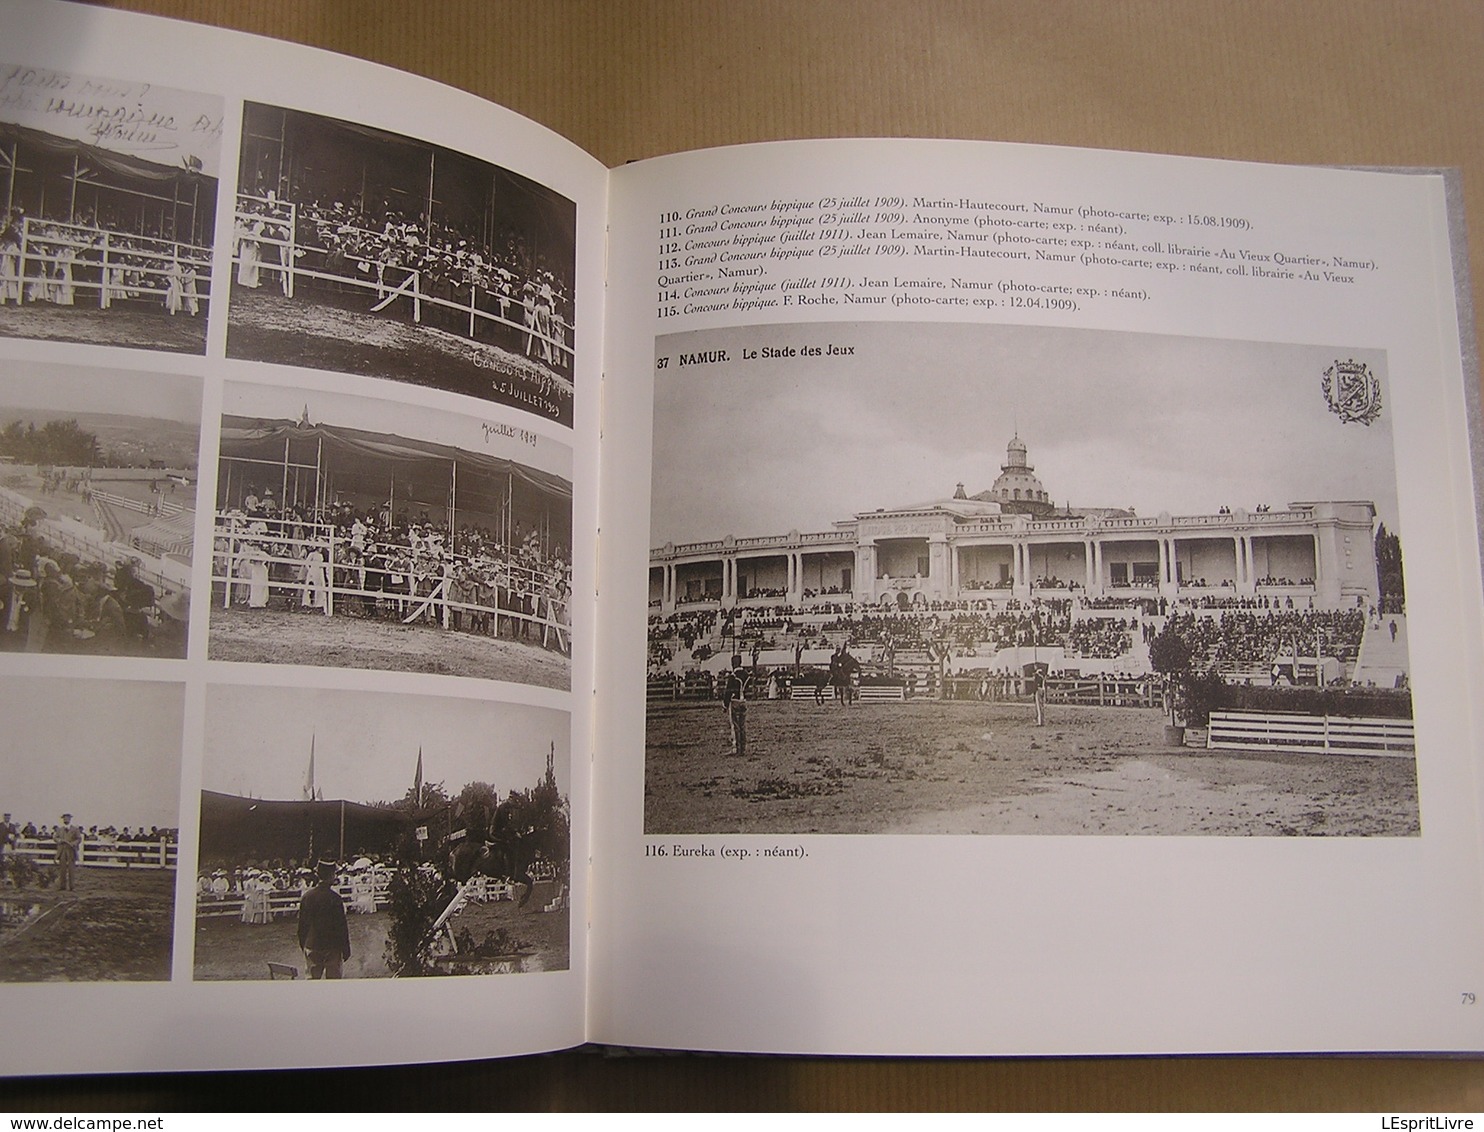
362	251
357	533
963	579
97	509
361	835
88	829
107	209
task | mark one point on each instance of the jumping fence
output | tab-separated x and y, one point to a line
1307	734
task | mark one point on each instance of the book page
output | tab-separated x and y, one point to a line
299	382
1041	606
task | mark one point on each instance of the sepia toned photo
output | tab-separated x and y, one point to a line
107	209
89	829
1000	579
366	252
98	472
365	835
357	533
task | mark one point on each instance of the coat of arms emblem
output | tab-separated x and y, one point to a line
1352	391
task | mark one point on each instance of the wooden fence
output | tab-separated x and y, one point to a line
285	901
1103	691
1310	734
103	854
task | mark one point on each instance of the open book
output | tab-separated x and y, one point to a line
828	597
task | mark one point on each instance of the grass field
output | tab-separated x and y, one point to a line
230	949
323	331
147	328
115	927
975	768
273	636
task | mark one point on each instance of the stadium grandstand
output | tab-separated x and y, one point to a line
970	596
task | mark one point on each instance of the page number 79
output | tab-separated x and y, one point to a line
1468	998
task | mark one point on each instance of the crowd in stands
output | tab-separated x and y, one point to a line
101	834
1261	601
362	882
1224	633
951	628
384	566
1238	639
342	240
53	600
94	263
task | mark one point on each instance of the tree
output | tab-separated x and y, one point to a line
536	820
1170	656
476	807
1199	694
1389	571
60	442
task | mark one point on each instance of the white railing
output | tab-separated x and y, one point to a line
58	260
77	538
101	853
164	508
285	901
1309	734
412	591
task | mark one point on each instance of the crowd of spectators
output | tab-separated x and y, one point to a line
381	566
345	242
362	882
101	834
54	600
947	629
94	263
1224	633
1240	639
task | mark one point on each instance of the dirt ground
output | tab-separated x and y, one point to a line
230	949
971	768
314	332
118	326
115	927
271	636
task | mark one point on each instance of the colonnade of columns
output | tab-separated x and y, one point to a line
944	578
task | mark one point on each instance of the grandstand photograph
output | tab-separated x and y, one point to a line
363	835
967	579
366	252
88	829
97	509
107	209
443	546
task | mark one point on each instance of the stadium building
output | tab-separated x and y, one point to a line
1011	541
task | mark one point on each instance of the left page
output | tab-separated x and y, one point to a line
299	369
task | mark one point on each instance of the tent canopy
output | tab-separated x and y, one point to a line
128	170
357	462
235	830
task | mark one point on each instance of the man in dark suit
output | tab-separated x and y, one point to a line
324	934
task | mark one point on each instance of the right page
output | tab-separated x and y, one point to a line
1040	608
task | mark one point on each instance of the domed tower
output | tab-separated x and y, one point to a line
1017	490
